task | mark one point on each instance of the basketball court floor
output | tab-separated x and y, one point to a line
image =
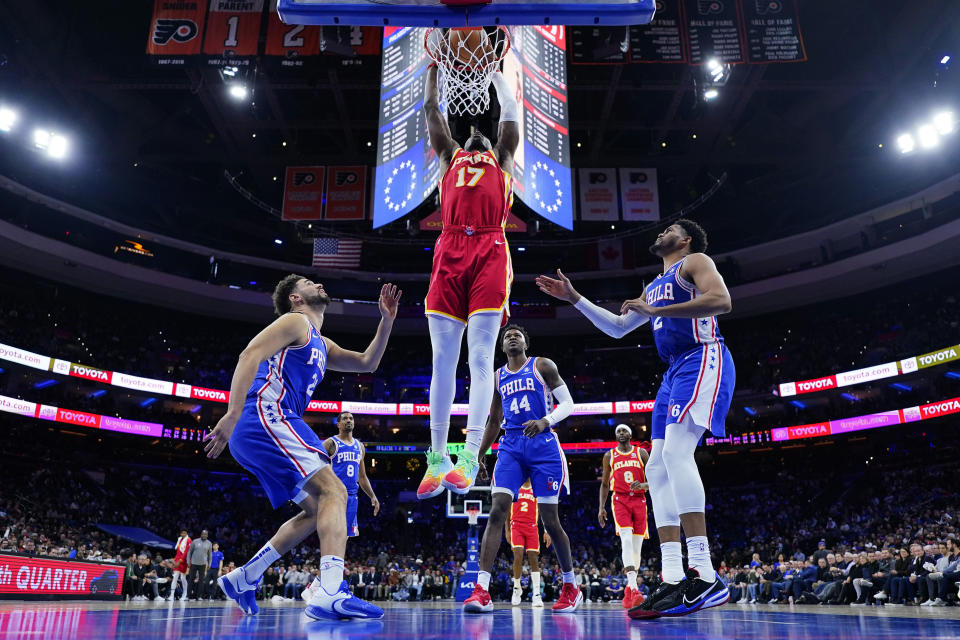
167	621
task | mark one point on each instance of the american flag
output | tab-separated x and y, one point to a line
336	252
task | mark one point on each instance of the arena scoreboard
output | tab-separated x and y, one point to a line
408	170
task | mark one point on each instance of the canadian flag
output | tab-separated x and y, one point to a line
614	254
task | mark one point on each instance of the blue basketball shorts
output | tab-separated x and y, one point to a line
282	451
352	503
698	386
539	458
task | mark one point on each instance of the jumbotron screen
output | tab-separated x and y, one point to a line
535	69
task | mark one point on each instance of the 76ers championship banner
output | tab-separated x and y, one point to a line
176	30
303	193
233	31
25	577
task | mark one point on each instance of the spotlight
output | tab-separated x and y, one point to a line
58	147
41	138
8	117
928	137
710	94
943	122
277	241
231	72
906	143
713	64
944	59
238	92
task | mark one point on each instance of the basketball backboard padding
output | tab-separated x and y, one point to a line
433	13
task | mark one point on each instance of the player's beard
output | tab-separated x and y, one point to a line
317	300
662	246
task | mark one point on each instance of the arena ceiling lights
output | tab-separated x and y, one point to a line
8	119
928	135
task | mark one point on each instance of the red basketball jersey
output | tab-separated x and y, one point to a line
524	510
625	468
475	191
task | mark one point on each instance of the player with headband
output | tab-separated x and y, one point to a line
623	476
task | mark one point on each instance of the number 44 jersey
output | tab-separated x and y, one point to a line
524	395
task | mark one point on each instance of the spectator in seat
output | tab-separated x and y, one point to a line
150	579
807	574
270	581
164	576
901	587
131	583
934	574
948	575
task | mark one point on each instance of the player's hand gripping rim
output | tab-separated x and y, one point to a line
216	441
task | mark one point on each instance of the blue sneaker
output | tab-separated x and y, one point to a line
235	586
339	605
700	595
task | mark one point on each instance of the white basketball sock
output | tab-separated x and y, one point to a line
483	579
672	562
632	579
626	547
637	548
535	582
258	563
331	573
698	556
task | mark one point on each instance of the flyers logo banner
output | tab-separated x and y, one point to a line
292	42
346	193
303	193
175	30
233	30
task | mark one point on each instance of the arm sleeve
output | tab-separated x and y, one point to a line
564	408
509	109
613	325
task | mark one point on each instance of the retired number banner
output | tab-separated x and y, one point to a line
175	31
303	193
346	197
598	194
292	42
233	31
639	194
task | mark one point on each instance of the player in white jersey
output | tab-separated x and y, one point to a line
274	379
682	304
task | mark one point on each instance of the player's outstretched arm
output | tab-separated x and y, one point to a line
286	330
547	369
437	126
713	300
340	359
491	431
508	133
611	324
604	490
364	482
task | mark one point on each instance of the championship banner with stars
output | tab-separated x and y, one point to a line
176	31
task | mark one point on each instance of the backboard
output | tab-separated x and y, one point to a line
476	496
434	13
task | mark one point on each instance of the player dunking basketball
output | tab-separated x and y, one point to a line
623	475
695	394
528	449
273	382
470	280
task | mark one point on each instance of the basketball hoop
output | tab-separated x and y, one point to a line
466	59
472	514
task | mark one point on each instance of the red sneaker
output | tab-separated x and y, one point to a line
638	598
628	596
570	598
479	601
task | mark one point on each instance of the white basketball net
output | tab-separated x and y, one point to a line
463	78
472	515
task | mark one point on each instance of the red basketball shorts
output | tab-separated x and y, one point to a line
525	535
471	274
630	511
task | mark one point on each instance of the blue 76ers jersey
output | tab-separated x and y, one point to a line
524	395
289	376
677	336
346	463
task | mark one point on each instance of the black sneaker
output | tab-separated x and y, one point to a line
701	594
666	598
